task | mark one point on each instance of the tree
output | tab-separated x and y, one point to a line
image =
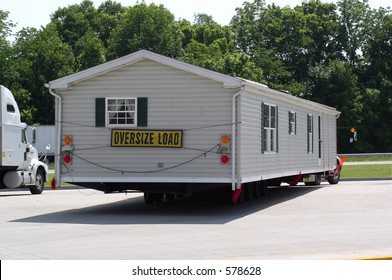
89	51
146	27
378	98
109	16
245	25
336	85
74	21
356	19
39	57
5	49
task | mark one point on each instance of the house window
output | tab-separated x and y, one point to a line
121	111
269	129
310	133
292	123
113	112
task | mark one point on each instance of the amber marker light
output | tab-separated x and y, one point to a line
225	139
67	140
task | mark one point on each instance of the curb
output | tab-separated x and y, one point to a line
385	258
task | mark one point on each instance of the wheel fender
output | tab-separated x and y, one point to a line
38	164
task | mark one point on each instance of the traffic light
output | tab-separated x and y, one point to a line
353	130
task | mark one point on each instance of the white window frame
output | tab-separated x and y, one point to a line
270	131
109	111
292	122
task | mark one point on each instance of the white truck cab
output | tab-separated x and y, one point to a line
19	163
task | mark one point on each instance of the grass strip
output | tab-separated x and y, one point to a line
367	171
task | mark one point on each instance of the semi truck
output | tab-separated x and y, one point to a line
19	163
149	123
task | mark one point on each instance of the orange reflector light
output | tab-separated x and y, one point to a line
67	159
67	140
352	129
225	139
225	159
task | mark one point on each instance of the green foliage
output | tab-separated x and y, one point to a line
5	48
336	54
378	75
89	51
146	27
39	57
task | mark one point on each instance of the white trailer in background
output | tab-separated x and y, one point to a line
19	164
160	126
44	142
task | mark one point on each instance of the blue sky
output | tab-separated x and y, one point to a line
27	13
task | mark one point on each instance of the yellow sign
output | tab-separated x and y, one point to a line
146	138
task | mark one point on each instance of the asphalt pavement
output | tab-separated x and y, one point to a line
350	220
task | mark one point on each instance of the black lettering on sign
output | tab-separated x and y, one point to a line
146	138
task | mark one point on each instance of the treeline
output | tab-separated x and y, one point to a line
336	54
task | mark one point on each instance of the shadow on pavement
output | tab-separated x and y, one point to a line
191	210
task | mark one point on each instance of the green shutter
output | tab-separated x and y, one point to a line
307	132
100	112
277	129
142	111
295	123
263	147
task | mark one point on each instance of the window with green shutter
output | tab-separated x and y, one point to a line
121	112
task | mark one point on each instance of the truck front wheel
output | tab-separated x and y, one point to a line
334	178
39	183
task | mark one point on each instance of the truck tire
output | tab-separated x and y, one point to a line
335	178
39	182
148	198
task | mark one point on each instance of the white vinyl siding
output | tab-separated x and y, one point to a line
292	156
177	100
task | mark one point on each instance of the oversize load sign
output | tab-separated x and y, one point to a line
146	138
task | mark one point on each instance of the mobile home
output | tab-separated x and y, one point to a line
154	124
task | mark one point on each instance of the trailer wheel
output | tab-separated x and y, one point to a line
148	198
248	191
170	196
257	189
39	182
264	188
335	178
158	197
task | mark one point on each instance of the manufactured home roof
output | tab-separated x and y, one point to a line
66	83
